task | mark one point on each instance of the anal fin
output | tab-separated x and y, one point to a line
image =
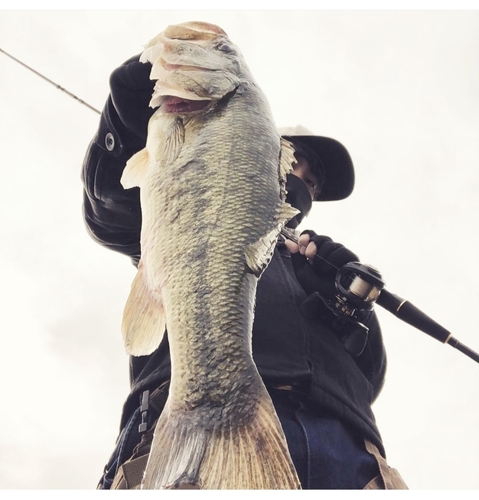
143	322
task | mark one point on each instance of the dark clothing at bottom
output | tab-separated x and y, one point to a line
326	454
128	439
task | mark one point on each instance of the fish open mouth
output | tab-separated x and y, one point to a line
173	104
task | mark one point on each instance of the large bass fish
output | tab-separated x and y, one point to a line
212	190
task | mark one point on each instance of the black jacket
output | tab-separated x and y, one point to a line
287	346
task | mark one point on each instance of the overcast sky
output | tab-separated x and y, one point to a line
399	88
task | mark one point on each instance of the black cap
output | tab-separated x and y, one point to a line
337	164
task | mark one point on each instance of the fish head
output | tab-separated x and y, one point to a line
194	64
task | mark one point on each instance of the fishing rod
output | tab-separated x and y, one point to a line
360	286
50	81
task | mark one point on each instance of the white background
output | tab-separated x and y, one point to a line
399	88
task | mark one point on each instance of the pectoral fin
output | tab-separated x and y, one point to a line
143	323
136	169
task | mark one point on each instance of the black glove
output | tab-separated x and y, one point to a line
131	89
319	273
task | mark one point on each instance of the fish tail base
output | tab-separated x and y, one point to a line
240	456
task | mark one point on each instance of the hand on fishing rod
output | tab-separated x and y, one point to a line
316	260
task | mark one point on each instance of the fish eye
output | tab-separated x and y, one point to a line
224	47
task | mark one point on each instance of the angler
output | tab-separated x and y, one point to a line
321	391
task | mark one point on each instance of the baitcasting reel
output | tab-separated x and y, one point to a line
358	288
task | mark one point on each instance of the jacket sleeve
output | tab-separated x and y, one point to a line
112	214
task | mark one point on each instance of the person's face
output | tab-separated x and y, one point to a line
302	169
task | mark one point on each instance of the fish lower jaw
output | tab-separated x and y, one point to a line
171	104
171	66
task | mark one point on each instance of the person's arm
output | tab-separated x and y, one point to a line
310	261
112	214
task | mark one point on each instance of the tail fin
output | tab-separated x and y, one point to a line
186	453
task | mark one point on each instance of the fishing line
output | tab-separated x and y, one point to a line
59	87
291	235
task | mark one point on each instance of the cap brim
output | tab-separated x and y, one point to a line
339	169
